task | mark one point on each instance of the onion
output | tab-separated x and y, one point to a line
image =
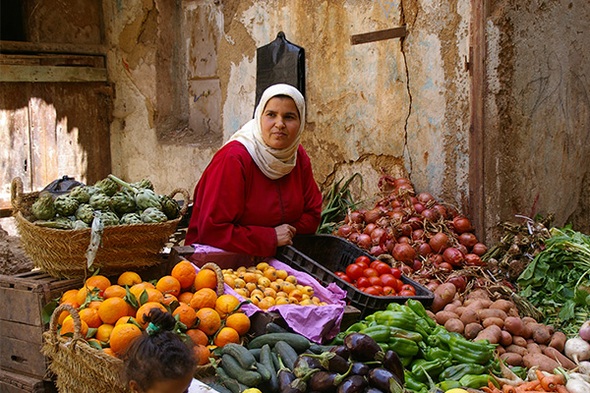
461	224
376	250
400	181
453	256
415	222
435	259
372	215
377	235
423	249
418	207
467	239
473	260
417	265
356	217
354	237
404	239
404	252
405	229
369	228
479	249
432	285
418	234
364	241
461	248
460	282
396	203
397	215
344	230
431	215
445	266
404	188
424	197
585	331
388	244
439	242
441	210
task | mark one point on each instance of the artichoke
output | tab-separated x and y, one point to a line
123	202
43	208
80	193
143	183
146	198
109	218
153	215
85	213
100	201
65	205
170	207
130	218
56	223
107	186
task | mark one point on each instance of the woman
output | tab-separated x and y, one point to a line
259	191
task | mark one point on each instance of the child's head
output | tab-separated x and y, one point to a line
159	361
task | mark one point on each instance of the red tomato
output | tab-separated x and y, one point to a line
354	271
343	276
363	282
375	263
363	260
371	291
397	273
370	272
382	268
407	293
375	280
408	287
388	280
398	285
388	291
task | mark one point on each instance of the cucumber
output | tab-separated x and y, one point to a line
263	371
245	358
272	327
233	369
266	359
256	353
298	342
287	354
229	383
319	349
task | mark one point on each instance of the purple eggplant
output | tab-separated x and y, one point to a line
330	361
392	362
385	380
352	384
360	368
362	347
341	350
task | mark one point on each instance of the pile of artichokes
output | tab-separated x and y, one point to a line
119	202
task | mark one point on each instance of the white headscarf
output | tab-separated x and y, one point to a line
274	163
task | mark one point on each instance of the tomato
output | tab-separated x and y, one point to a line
397	273
363	260
372	291
408	287
407	293
363	282
388	291
388	280
370	272
382	268
375	263
354	271
375	280
398	285
343	276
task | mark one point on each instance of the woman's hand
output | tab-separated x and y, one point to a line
285	233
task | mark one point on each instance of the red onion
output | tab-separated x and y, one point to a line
445	266
364	241
435	259
372	215
431	215
376	250
404	188
397	215
404	252
461	224
462	248
388	244
369	228
344	230
418	234
418	207
417	265
473	260
354	237
395	203
400	181
424	197
441	210
415	222
467	239
377	235
460	282
403	239
405	229
432	285
424	249
479	249
439	242
453	256
356	217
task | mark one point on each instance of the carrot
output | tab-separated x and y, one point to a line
550	382
508	389
528	386
561	389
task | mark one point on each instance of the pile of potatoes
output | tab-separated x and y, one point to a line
522	341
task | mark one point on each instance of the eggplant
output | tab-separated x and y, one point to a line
323	381
360	368
371	389
330	361
393	363
352	384
362	347
385	380
341	350
312	362
285	379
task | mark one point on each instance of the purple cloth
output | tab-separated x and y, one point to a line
318	323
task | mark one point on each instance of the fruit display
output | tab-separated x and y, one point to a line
115	201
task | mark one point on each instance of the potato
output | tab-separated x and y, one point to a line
460	310
454	325
505	339
541	334
544	362
520	341
565	362
522	351
492	333
443	295
493	321
533	348
472	330
443	316
558	340
512	359
514	326
431	315
478	294
502	304
491	312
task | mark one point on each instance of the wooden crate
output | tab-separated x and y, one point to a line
18	383
21	319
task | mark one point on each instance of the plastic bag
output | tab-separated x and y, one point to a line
279	62
62	186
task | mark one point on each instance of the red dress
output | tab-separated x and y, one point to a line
236	207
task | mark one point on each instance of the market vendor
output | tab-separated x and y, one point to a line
258	190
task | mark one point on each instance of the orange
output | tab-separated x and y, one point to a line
197	336
226	304
114	291
153	295
129	279
103	333
238	321
91	317
68	326
109	351
122	336
271	273
168	285
282	274
64	314
185	297
94	304
68	295
185	273
206	278
204	297
125	319
112	309
169	299
81	295
202	353
266	303
209	320
145	309
226	335
137	289
98	281
186	314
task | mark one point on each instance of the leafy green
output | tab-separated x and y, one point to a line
337	202
557	280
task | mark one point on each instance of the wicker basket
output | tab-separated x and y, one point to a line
62	253
78	367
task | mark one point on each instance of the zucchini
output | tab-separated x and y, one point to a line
263	371
266	359
244	357
256	353
229	383
286	353
234	370
319	349
273	327
298	342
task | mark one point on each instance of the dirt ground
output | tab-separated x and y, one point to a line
12	257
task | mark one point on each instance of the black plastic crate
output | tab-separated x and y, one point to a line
322	255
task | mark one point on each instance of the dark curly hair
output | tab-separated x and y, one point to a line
160	354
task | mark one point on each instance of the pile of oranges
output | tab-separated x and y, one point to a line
265	286
112	314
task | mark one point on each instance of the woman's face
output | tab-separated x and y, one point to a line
280	122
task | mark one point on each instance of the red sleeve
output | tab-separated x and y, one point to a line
219	200
312	210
